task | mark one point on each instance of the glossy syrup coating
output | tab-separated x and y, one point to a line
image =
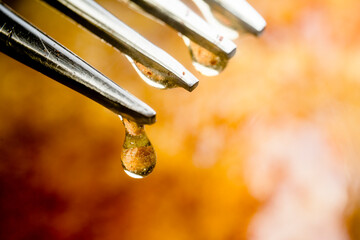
150	73
162	79
207	59
138	155
203	56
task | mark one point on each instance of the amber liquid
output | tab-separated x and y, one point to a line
138	156
204	61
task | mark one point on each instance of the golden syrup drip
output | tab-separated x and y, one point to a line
152	76
138	156
204	61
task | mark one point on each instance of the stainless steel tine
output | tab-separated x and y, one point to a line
23	42
239	12
102	23
184	20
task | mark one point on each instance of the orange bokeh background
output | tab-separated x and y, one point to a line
266	150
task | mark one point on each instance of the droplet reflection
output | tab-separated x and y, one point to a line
151	76
204	61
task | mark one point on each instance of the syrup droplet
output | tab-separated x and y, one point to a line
204	61
138	157
152	76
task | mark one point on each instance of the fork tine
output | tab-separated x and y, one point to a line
184	20
102	23
239	12
23	42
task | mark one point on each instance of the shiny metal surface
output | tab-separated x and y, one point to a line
23	42
184	20
102	23
239	12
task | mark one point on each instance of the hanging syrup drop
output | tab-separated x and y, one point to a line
138	156
204	61
152	76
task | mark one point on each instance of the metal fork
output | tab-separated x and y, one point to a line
22	41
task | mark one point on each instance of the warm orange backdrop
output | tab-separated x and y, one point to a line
263	151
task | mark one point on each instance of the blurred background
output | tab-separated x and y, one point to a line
267	150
